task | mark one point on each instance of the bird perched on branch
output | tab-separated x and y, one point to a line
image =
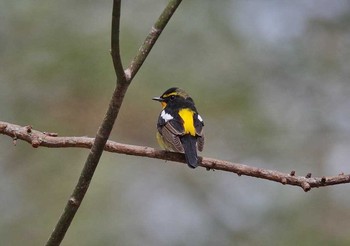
180	127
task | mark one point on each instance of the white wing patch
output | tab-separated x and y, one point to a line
200	118
165	116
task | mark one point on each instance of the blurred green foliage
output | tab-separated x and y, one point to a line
270	78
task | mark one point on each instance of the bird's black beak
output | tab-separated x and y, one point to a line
159	99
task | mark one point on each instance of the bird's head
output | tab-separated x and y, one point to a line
173	95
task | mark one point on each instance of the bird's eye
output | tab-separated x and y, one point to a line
172	98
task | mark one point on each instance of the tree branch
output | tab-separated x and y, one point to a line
51	140
151	38
115	47
102	135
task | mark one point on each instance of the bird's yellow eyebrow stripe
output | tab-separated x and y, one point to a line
186	115
171	94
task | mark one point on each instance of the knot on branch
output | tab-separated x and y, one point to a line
73	202
306	186
155	31
2	126
35	142
28	129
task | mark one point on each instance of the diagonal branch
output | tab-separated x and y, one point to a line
151	38
51	140
102	135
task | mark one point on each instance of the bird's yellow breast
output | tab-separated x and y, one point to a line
186	115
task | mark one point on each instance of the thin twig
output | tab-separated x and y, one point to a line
37	138
115	46
97	146
151	38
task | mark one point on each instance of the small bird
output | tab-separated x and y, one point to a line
180	127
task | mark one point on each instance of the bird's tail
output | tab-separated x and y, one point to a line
190	148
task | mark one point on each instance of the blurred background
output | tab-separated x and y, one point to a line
270	78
